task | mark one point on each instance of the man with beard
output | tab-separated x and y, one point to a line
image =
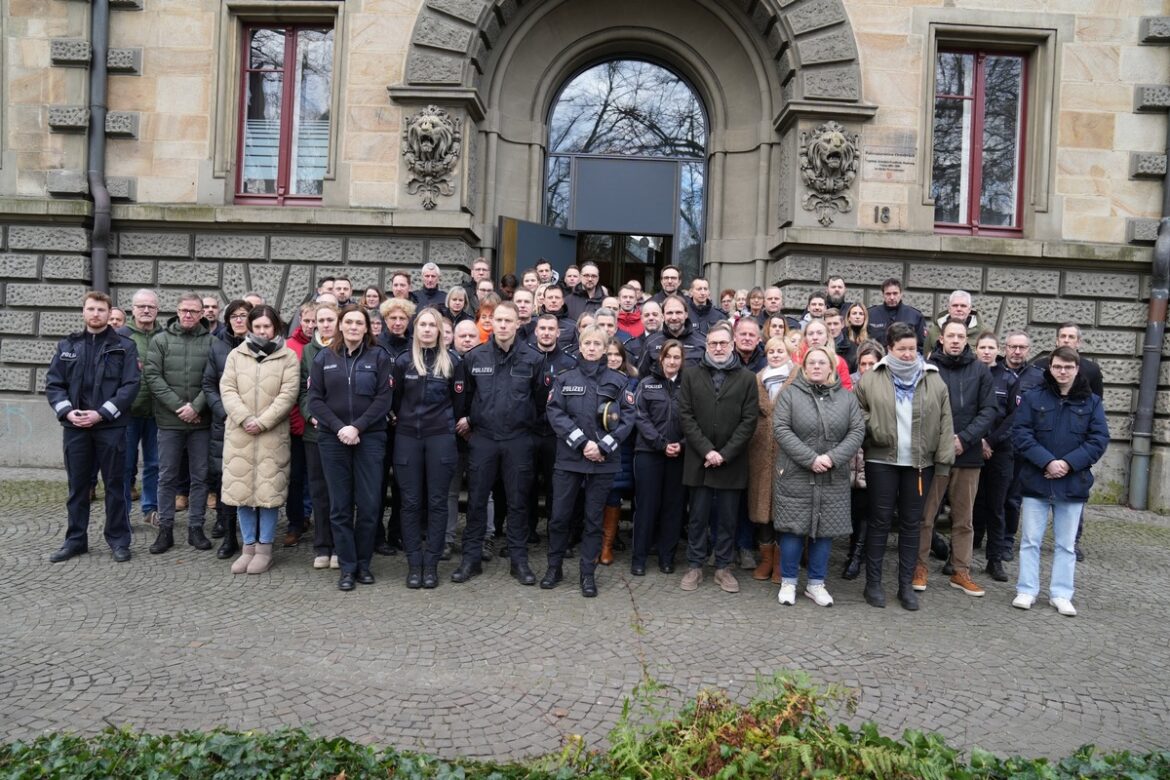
675	326
892	310
835	294
586	296
670	280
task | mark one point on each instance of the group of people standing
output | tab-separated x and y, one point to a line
760	435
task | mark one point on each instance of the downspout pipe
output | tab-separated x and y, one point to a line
99	36
1143	421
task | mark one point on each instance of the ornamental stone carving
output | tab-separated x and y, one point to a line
828	166
431	142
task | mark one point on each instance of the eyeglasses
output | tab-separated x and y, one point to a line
718	344
241	317
191	312
1063	368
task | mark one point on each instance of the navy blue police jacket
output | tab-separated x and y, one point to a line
573	415
694	345
424	404
94	372
656	412
500	392
351	389
552	364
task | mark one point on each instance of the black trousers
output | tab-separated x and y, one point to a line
725	504
511	461
566	486
544	456
354	475
392	531
900	488
424	468
658	506
319	493
89	451
989	515
294	505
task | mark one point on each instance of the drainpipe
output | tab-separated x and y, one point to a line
99	36
1143	421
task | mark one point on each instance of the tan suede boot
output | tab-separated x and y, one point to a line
262	561
609	529
240	565
767	562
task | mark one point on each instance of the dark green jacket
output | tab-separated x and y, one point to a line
723	421
307	355
174	373
143	405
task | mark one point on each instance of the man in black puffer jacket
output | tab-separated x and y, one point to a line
973	408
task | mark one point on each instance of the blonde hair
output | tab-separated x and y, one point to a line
392	304
830	355
593	331
443	366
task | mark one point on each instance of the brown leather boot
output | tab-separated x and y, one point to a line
767	562
609	529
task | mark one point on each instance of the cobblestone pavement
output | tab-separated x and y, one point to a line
492	669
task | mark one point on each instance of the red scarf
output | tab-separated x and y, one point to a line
631	322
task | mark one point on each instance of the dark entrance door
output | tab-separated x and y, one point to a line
621	257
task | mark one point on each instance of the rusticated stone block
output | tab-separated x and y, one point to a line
124	61
786	66
69	267
1147	165
945	276
39	376
53	239
489	32
1151	98
426	67
451	277
1122	315
266	280
1154	29
59	182
1110	342
442	33
15	379
230	246
830	47
795	268
987	307
762	18
507	10
18	266
396	252
448	252
155	244
122	124
1023	281
1119	371
1059	310
298	284
814	15
122	188
234	284
1121	427
20	322
467	10
123	271
70	52
1141	231
176	273
1119	399
1099	285
1013	313
842	83
27	350
861	272
923	301
55	324
313	249
68	119
1162	402
127	5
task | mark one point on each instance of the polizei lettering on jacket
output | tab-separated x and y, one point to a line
487	370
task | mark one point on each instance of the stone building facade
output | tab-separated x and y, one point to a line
821	154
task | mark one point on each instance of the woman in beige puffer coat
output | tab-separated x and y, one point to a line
259	387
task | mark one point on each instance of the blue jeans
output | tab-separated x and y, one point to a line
267	524
791	547
1066	516
142	430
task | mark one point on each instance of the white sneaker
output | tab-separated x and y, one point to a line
819	594
1064	607
787	594
321	562
1023	601
334	563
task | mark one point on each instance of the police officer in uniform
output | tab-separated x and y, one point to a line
554	362
591	411
92	381
502	383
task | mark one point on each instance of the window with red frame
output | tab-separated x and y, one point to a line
285	99
978	165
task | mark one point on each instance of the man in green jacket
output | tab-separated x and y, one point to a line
174	366
142	430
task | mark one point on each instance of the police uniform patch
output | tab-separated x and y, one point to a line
629	397
458	387
390	381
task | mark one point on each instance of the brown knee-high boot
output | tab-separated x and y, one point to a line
609	529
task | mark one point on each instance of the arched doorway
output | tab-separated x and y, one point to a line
626	169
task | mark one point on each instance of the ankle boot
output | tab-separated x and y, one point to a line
609	531
262	561
196	539
218	528
856	557
230	545
767	562
164	541
240	565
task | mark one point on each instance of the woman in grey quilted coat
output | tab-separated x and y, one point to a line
818	426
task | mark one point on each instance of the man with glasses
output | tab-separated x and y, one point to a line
718	409
173	370
1060	431
588	295
141	429
669	282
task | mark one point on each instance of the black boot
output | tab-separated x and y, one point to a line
164	541
414	578
196	539
588	586
857	554
908	598
467	569
552	577
218	529
875	550
230	546
939	547
430	577
907	561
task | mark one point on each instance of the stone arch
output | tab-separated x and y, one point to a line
810	42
